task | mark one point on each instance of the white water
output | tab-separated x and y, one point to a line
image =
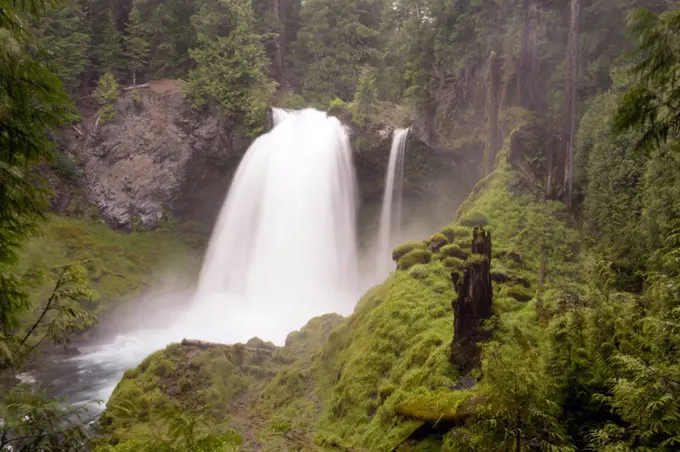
390	217
283	250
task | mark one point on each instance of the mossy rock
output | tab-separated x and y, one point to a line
258	343
437	241
406	248
414	257
449	232
437	406
519	293
457	232
454	250
453	263
473	219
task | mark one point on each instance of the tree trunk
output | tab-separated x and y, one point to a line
278	52
525	62
494	87
569	118
472	307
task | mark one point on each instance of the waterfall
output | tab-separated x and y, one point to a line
284	243
390	217
282	252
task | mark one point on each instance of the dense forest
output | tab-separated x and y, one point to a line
570	107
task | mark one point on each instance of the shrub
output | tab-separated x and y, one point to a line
107	94
519	293
473	219
454	263
454	251
406	248
414	257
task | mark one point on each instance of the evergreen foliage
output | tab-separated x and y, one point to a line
136	47
365	97
335	40
231	62
107	94
63	36
33	104
651	102
109	48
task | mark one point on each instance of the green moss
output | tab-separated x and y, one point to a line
454	250
475	258
519	293
120	265
414	257
473	219
436	406
438	239
406	248
453	263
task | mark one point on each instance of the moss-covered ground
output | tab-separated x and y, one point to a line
120	265
383	374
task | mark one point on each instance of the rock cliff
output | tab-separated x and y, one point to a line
156	157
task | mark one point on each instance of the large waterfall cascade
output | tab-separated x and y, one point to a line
282	252
285	240
390	217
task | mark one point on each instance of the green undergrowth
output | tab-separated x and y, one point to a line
219	383
384	374
391	357
120	265
181	379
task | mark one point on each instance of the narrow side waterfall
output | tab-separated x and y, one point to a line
282	252
390	217
285	240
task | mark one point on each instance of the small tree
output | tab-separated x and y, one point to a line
107	93
136	47
365	95
109	51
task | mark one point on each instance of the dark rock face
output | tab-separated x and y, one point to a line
472	307
157	157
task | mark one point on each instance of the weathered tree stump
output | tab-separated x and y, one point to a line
472	307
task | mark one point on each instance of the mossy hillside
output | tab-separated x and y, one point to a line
393	351
120	265
221	381
394	348
183	379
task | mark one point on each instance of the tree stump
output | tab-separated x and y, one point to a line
472	307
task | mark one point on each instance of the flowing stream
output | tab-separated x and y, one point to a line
390	217
283	251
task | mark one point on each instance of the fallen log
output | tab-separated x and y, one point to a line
206	345
130	88
199	344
